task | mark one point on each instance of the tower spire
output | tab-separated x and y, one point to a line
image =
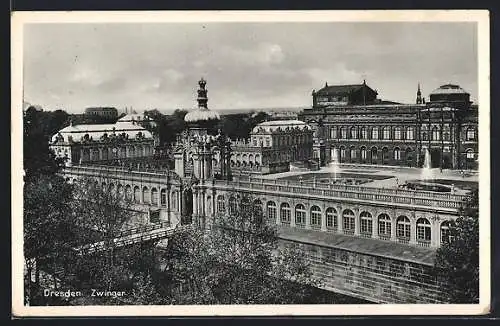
419	95
202	94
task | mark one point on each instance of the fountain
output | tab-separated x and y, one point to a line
427	172
334	163
427	178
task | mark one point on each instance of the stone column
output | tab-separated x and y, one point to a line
323	218
308	216
413	229
375	226
292	215
435	232
195	202
340	221
357	222
393	227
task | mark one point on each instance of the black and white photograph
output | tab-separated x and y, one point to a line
244	163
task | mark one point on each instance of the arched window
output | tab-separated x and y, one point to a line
300	215
374	154
331	218
119	190
146	197
423	230
315	217
403	230
154	196
410	133
163	197
271	210
436	133
445	232
342	153
285	213
131	151
469	154
352	152
352	133
343	132
349	221
384	226
257	211
470	134
137	194
363	133
221	204
397	133
386	133
375	133
233	206
128	192
366	224
397	154
424	135
363	153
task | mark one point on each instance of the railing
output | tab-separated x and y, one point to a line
119	173
399	196
126	237
423	243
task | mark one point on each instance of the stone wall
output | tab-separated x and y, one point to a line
370	277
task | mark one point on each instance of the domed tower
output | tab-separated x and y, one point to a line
202	120
194	153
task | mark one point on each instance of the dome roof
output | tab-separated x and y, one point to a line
201	114
271	126
96	131
449	89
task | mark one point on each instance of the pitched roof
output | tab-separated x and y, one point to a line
340	89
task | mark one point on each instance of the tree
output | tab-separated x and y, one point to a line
47	227
238	261
38	127
457	260
101	211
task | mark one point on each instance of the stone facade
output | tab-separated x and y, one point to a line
388	133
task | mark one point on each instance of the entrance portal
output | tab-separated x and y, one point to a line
187	207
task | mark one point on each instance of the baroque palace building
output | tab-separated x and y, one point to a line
351	125
369	241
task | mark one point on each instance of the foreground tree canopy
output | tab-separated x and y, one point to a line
239	261
457	260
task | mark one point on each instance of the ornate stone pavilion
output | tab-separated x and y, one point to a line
365	234
102	142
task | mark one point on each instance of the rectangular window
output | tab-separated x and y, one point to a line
333	133
409	133
403	231
366	226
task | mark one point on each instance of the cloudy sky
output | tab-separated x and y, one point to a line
247	65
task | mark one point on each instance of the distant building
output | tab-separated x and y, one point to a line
102	142
105	112
273	146
352	126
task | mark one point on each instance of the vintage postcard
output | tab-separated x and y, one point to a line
250	163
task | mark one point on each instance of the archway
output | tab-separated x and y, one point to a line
187	207
435	157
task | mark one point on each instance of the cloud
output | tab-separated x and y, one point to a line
246	64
